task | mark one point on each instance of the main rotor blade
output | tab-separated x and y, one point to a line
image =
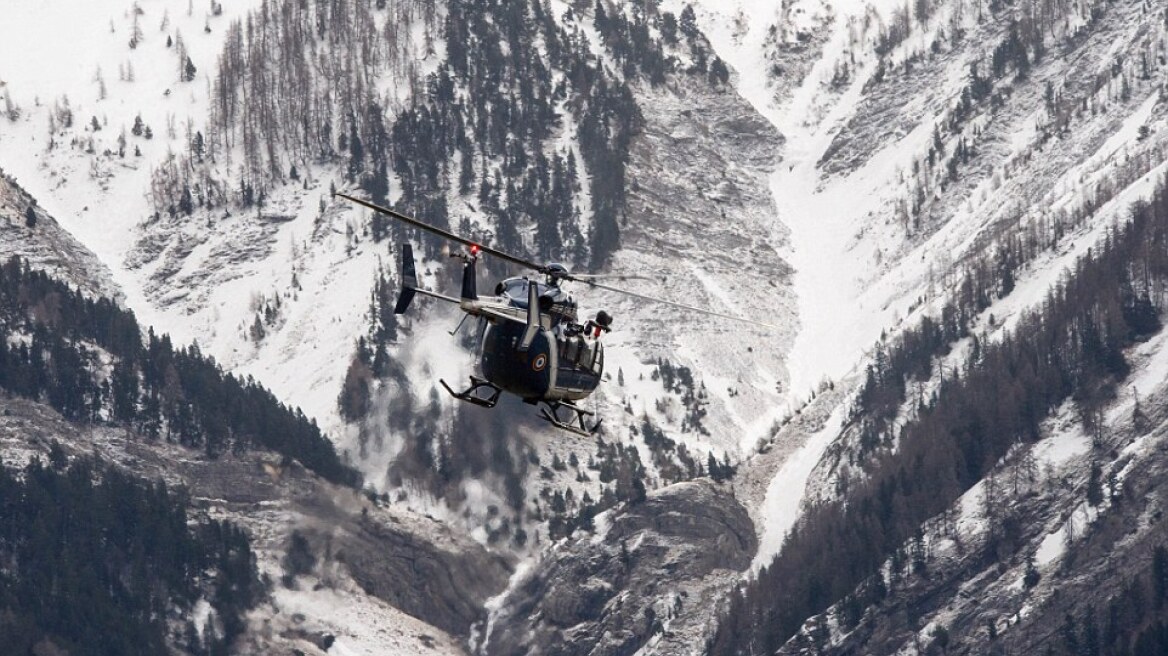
447	235
682	306
582	277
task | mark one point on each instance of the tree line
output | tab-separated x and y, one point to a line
1071	348
297	84
293	81
1134	621
491	113
98	562
55	342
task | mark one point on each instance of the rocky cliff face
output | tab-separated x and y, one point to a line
28	231
647	577
702	229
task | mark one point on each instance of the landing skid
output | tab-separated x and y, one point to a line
471	394
574	423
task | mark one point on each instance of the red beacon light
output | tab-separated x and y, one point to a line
474	249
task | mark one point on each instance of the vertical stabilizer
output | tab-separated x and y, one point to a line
532	316
409	280
469	287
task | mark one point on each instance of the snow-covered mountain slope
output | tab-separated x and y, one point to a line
95	176
1048	149
66	119
354	599
281	292
867	246
1061	528
880	224
867	165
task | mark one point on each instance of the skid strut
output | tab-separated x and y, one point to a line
471	394
574	423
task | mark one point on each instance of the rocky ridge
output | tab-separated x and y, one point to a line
365	551
28	231
646	579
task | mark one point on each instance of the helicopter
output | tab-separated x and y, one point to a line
532	343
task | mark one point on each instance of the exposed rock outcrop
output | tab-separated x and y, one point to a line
413	563
647	577
27	230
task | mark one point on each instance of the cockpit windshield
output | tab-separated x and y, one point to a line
515	291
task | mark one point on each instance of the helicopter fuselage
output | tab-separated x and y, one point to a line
542	372
560	364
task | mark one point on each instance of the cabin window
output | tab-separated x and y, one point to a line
569	350
584	359
578	353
